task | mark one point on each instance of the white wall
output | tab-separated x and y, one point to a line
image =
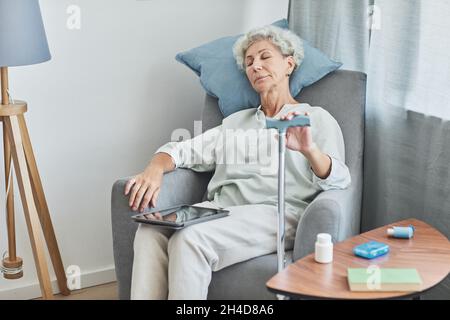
110	96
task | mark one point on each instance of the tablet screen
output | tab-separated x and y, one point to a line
178	216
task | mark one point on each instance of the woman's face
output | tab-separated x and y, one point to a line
266	67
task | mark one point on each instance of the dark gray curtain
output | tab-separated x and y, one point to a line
403	47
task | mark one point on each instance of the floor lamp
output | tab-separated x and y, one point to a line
23	42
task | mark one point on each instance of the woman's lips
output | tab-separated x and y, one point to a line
261	78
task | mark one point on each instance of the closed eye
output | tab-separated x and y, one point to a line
262	58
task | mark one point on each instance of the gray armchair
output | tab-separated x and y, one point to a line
336	212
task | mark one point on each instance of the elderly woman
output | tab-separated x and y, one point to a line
179	264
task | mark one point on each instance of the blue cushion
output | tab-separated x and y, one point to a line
219	75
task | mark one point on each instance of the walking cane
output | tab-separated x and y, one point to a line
282	126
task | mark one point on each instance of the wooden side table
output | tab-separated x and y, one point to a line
428	251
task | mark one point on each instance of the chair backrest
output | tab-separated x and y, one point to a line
343	94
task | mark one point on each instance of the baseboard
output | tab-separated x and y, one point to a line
32	291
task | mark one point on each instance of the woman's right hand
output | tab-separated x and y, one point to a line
144	188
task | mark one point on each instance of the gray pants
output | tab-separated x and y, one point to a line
178	265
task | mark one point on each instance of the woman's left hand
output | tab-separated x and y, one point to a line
298	138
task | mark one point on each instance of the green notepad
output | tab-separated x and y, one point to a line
383	279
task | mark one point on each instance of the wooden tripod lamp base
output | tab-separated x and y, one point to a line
15	266
17	148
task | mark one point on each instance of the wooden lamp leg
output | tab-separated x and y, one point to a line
43	212
11	261
29	208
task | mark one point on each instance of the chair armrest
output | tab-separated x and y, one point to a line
325	214
183	186
178	187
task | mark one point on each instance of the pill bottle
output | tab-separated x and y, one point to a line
324	248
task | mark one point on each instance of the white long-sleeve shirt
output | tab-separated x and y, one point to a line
244	156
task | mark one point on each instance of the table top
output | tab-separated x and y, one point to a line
428	252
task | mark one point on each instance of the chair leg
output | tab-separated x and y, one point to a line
29	208
43	211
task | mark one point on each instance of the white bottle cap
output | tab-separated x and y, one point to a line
324	238
390	231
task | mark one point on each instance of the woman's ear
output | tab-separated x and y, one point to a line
291	62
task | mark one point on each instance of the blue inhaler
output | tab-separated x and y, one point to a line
371	249
401	232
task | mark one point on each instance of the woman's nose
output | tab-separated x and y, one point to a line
256	67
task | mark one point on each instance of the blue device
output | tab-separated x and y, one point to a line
401	232
370	250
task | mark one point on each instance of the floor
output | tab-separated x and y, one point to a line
106	291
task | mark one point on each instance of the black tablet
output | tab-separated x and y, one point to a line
180	216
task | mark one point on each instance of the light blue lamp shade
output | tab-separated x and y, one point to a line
22	34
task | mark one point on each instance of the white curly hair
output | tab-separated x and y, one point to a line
285	40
